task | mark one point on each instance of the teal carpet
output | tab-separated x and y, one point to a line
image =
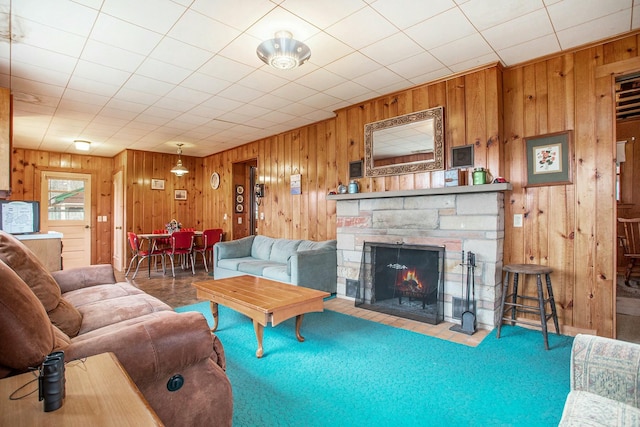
354	372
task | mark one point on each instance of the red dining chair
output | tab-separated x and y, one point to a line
181	245
187	229
141	255
164	243
210	237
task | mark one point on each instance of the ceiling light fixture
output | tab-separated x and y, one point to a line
283	52
82	145
178	169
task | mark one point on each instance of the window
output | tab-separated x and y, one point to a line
66	199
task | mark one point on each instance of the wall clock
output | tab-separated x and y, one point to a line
215	180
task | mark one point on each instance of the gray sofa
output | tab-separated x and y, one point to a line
605	374
298	262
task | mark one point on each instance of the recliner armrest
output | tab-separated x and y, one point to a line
606	367
158	348
83	277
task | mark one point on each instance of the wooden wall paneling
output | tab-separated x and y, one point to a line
584	177
329	139
475	117
454	112
494	159
287	205
605	214
297	219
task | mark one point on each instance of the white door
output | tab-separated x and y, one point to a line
118	223
66	208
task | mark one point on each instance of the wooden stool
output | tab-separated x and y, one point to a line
511	303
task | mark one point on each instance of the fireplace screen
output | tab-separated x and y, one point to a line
402	280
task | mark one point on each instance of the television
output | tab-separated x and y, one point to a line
20	217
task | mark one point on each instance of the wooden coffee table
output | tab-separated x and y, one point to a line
264	301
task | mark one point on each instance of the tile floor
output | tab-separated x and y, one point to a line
178	292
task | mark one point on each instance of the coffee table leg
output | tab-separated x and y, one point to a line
298	324
259	332
214	311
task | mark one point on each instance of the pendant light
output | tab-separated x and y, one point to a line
283	52
178	169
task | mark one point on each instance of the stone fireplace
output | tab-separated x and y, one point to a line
403	280
464	218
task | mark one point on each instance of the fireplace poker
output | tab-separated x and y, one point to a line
469	317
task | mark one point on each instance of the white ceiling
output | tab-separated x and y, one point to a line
149	74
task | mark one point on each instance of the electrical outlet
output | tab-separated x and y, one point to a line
517	220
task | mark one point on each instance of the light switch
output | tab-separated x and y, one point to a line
517	220
262	216
239	220
225	217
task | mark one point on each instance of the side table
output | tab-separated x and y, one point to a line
99	392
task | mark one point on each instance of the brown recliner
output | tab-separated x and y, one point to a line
84	312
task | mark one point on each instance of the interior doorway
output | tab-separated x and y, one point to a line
118	222
244	204
627	110
65	207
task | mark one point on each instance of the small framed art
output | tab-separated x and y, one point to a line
180	195
157	184
549	159
462	157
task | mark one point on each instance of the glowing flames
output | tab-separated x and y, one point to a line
410	281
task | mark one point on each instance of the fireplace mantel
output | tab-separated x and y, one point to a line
462	189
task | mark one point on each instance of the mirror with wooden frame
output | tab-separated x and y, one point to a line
404	144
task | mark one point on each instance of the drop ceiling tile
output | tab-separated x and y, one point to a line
416	65
111	56
347	90
132	95
42	58
595	30
293	92
326	49
462	50
328	14
321	79
188	95
163	71
380	77
119	104
91	86
222	103
203	32
405	13
272	102
226	69
279	19
263	81
173	51
89	98
52	39
39	74
60	14
243	50
635	19
523	29
570	13
148	85
115	32
174	105
392	49
205	83
156	15
538	47
101	73
319	100
441	29
431	75
500	11
252	110
39	89
241	93
485	59
352	66
364	18
238	14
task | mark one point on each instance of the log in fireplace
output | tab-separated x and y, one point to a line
402	280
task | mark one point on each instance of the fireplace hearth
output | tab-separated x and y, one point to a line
402	280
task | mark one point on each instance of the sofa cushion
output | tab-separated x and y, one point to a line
588	409
282	250
308	245
256	267
104	305
27	335
37	277
261	248
233	263
277	273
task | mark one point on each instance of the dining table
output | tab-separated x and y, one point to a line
153	237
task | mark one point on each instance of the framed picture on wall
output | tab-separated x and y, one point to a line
157	184
549	159
180	195
462	157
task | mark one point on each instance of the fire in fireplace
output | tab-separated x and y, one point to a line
403	280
